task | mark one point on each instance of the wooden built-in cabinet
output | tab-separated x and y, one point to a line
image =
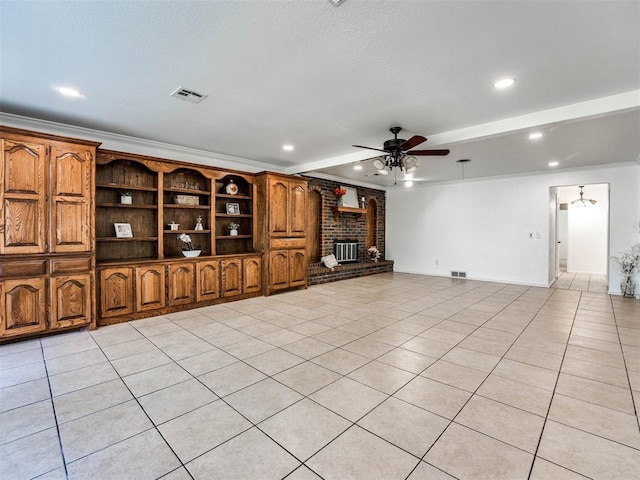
46	233
282	230
147	274
154	287
60	201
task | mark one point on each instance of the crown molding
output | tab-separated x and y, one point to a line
124	143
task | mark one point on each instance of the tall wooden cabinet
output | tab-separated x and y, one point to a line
282	230
46	239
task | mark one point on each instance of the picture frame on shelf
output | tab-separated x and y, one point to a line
350	199
233	209
123	230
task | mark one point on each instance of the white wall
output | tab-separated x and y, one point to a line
482	227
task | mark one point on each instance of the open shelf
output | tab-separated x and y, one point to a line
123	186
338	210
188	191
236	215
178	232
128	239
126	205
239	197
189	207
234	237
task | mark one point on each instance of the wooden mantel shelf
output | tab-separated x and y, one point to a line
338	210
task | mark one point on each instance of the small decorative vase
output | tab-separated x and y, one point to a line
126	199
191	253
627	287
233	233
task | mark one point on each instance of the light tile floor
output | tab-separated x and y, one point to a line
392	376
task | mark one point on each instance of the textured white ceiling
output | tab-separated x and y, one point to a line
323	78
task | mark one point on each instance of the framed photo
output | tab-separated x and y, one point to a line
233	209
123	230
351	197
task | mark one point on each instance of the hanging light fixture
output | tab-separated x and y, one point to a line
583	202
406	163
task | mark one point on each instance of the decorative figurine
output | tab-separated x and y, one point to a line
231	188
199	223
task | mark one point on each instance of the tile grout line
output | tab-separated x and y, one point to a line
626	368
55	415
554	388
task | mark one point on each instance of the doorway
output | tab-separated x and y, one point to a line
580	238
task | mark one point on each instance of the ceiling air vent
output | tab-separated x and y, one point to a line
188	95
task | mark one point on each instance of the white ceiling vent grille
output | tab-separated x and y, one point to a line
188	95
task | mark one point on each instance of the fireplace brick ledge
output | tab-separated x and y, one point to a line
317	273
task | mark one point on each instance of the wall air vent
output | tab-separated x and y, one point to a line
459	274
188	95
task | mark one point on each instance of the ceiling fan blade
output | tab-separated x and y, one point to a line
413	142
429	152
370	148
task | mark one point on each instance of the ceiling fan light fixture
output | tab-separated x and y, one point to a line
378	163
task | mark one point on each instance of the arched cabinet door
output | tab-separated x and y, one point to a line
150	287
116	291
208	280
70	301
70	198
231	277
252	281
22	197
298	209
279	212
182	286
22	307
297	267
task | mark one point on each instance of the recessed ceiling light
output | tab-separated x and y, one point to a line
408	184
554	164
68	92
504	83
357	167
287	148
535	136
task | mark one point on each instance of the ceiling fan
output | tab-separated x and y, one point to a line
398	153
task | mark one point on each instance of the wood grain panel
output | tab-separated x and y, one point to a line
298	209
278	207
71	172
279	269
297	268
22	198
231	277
22	307
252	275
150	287
116	291
70	301
182	283
208	280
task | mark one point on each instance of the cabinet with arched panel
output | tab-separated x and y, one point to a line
46	233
